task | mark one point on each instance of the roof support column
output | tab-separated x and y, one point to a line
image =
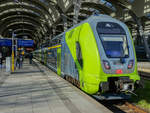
54	31
77	6
145	39
65	23
141	33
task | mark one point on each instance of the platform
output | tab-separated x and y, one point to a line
36	89
144	67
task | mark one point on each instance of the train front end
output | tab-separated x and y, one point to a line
118	60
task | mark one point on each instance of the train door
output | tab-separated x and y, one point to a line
59	61
79	54
79	65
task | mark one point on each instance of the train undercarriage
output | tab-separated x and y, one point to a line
117	88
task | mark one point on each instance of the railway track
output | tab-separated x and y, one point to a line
120	106
135	108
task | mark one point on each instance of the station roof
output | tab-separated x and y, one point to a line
37	18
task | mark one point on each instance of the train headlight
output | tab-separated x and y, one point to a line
106	64
130	64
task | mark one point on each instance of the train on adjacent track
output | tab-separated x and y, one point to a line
97	55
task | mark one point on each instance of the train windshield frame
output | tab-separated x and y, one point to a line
115	43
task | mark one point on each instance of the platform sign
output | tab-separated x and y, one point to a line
25	43
20	43
5	42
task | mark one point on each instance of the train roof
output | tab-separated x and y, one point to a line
89	20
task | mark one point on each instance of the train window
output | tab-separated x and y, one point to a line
79	54
113	34
109	28
119	48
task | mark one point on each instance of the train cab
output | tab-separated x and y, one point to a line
117	54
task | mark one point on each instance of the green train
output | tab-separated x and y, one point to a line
97	55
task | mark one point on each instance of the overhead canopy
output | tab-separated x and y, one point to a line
37	19
34	15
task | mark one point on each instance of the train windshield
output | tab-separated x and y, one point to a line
113	38
115	46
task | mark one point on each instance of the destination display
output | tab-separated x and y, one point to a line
5	42
20	43
25	43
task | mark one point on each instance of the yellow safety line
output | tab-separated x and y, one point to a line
57	46
13	62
